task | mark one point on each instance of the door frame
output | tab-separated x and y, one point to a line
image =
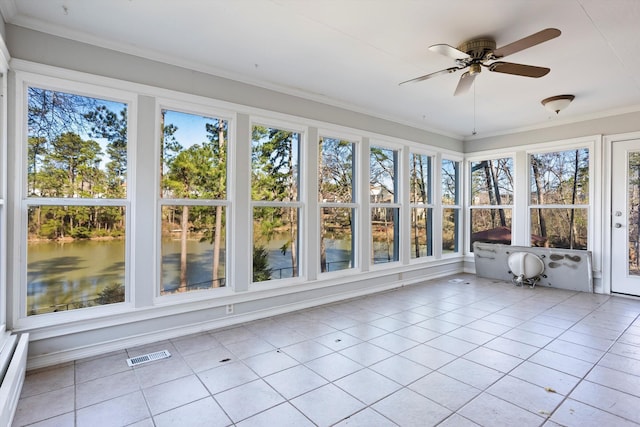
607	208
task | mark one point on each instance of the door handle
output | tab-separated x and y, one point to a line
617	225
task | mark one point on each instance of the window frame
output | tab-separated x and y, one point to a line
399	179
300	204
469	199
459	238
209	111
355	203
431	204
75	86
594	151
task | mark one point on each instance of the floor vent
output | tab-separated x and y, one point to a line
139	360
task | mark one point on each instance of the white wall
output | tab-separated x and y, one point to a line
609	125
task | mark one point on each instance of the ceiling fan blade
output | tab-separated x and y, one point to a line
519	69
450	51
527	42
428	76
466	80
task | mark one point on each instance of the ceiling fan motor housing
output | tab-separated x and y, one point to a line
478	49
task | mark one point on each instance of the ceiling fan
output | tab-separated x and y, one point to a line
477	53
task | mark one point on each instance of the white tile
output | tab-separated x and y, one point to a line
427	356
334	366
545	377
471	373
44	405
389	324
194	343
105	388
417	333
527	337
233	335
49	379
367	386
120	411
394	343
560	362
513	348
408	408
365	331
621	363
532	397
456	420
338	340
201	413
574	413
438	325
227	376
366	418
101	367
295	381
248	348
162	371
471	335
268	363
401	370
172	394
451	345
283	415
493	359
248	399
64	420
578	351
366	354
488	410
306	351
444	390
489	327
208	359
327	405
618	380
613	401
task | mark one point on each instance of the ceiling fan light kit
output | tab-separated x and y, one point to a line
557	103
477	53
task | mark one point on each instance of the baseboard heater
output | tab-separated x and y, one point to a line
13	366
563	268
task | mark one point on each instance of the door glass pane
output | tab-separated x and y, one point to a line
633	209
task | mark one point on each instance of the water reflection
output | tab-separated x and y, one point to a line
70	275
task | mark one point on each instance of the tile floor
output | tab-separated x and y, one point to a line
458	351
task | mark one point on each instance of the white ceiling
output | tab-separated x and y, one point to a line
353	53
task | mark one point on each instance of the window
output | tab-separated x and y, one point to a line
385	209
421	205
336	199
559	199
75	201
491	201
193	177
450	205
275	202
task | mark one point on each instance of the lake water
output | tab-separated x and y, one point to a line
70	275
